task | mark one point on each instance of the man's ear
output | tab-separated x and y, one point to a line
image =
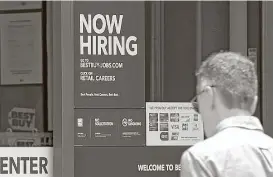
253	106
208	90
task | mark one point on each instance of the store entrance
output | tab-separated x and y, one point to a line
190	32
178	37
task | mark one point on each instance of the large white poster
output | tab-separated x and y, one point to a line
21	48
26	161
172	124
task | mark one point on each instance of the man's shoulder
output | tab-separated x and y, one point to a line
223	150
214	146
229	141
196	158
204	148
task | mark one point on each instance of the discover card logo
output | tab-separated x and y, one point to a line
129	122
101	123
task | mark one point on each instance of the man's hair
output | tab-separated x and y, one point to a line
234	75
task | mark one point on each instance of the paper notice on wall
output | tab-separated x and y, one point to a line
252	55
21	48
172	124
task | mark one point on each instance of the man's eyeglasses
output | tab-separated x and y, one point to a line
194	99
194	102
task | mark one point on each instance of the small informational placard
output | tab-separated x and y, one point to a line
21	48
252	55
172	124
109	127
26	162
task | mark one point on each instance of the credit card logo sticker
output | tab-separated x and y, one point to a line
153	122
195	127
195	118
164	127
185	127
164	136
164	117
175	127
174	117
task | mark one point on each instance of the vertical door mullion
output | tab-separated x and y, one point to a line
238	26
199	40
157	63
267	66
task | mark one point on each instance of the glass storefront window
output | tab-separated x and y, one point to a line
24	120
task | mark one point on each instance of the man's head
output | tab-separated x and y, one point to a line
227	86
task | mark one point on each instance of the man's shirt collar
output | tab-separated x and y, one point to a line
245	122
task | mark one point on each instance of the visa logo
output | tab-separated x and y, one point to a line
175	126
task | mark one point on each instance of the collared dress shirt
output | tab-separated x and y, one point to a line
239	148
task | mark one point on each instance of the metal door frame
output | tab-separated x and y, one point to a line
267	66
157	53
238	26
63	88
